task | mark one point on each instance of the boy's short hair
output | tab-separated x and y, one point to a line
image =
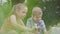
37	11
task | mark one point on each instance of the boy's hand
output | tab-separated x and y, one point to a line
37	32
38	28
31	30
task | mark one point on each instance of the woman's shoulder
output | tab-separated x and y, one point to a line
9	18
12	16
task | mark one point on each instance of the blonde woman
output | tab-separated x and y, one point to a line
14	21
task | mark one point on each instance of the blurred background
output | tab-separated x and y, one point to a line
51	10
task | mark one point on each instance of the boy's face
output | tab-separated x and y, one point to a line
36	18
37	14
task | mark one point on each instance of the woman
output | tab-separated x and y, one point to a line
14	21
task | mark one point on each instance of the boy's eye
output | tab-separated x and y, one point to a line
37	17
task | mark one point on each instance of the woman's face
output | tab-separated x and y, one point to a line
22	12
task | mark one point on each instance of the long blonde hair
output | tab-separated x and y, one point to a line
7	20
17	6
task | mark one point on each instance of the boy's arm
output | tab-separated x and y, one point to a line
44	27
28	23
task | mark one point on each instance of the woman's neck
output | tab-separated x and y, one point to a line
17	17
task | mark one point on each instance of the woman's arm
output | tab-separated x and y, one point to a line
14	23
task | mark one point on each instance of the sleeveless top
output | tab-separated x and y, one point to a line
8	25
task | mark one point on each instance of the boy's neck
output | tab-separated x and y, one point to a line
36	21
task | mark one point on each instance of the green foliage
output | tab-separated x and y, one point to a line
1	16
51	10
4	11
17	1
30	4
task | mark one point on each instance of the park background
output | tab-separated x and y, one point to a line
50	8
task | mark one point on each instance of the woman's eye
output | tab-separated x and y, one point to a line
23	12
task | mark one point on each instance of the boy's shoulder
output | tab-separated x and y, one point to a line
29	19
41	21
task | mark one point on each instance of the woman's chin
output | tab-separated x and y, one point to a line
22	17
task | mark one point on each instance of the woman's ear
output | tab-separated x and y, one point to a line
17	10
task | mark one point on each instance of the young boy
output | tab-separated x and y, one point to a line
36	22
